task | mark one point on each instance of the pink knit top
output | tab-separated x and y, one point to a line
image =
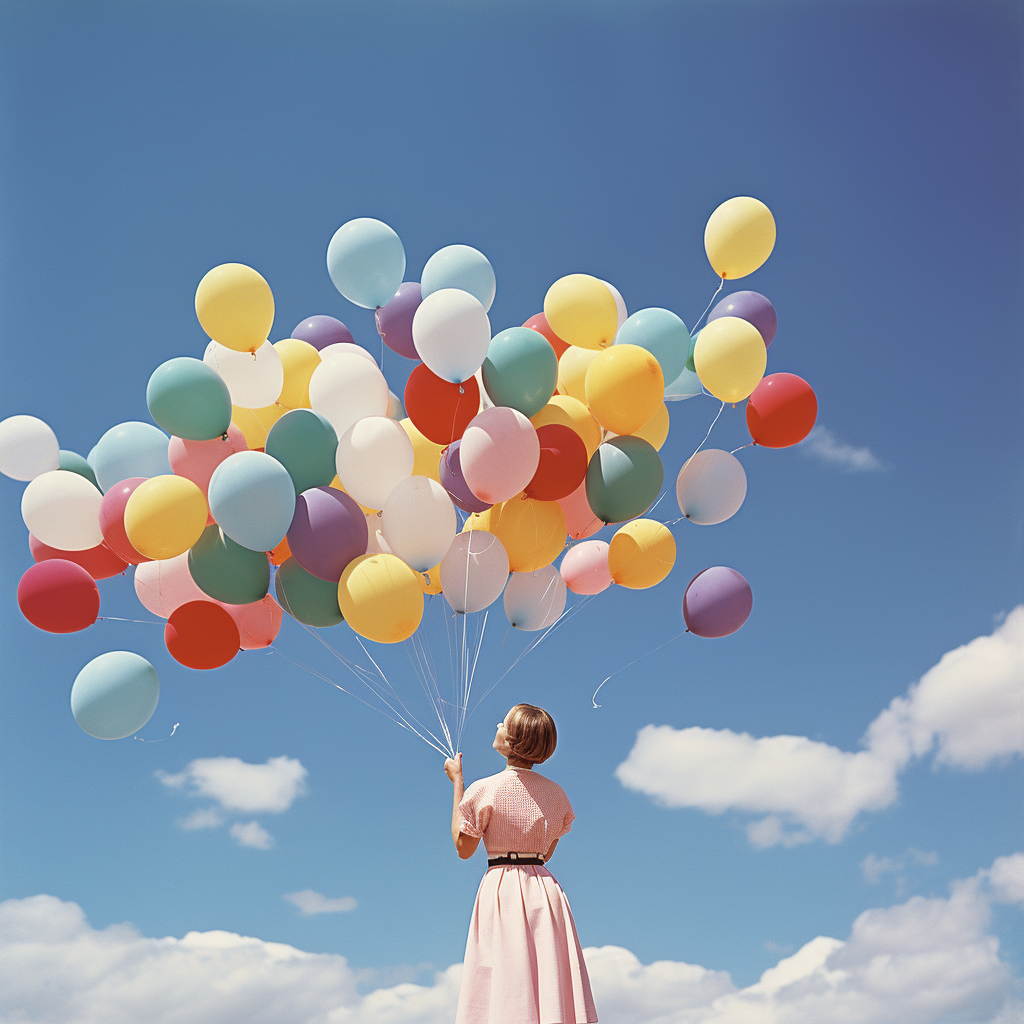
516	810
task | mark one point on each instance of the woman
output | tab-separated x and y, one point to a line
523	960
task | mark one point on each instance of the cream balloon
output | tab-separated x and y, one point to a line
346	387
165	584
711	487
28	447
254	380
451	332
474	572
345	348
62	509
535	600
373	456
419	522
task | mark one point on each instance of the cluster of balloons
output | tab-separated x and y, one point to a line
288	477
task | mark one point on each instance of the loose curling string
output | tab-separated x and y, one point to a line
633	662
172	732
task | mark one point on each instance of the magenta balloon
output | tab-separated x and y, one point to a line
752	307
452	480
321	331
717	602
328	530
394	319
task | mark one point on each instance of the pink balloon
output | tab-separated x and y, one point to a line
580	520
166	584
585	567
196	460
258	623
499	453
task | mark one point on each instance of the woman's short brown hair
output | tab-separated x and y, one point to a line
531	733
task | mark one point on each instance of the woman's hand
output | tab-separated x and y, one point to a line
453	768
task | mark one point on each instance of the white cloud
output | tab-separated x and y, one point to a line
1006	876
253	834
311	902
874	867
201	817
823	445
969	708
239	786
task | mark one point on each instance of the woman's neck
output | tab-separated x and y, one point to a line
514	762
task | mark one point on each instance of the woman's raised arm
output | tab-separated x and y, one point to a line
465	845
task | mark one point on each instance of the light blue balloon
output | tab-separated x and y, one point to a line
115	695
189	399
253	499
127	450
686	385
460	266
662	333
521	370
366	261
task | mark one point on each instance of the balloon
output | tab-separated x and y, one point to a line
430	581
381	598
426	454
254	380
235	306
164	516
474	572
327	532
460	266
115	695
347	387
226	571
366	261
59	596
563	463
28	447
281	553
624	387
739	237
201	635
305	444
539	322
111	518
451	333
394	319
455	483
534	600
99	562
582	311
521	370
419	522
663	334
299	360
730	358
781	410
686	385
196	460
256	423
620	306
532	532
62	510
623	479
253	499
499	454
373	456
572	413
752	307
655	430
258	623
585	567
376	544
74	463
305	597
641	554
580	520
344	349
188	398
165	584
441	410
572	371
396	410
127	450
711	487
717	602
321	331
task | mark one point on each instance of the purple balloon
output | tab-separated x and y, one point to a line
328	530
321	331
752	307
454	482
394	319
717	602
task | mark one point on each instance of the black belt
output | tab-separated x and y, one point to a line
528	859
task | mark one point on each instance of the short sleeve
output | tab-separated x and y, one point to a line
567	821
474	818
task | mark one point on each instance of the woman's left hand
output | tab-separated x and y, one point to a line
453	768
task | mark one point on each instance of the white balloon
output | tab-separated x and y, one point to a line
620	305
419	522
373	456
711	487
165	584
28	447
376	544
534	600
254	380
346	387
474	572
451	333
62	509
343	348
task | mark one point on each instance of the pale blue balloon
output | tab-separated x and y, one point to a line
366	261
115	695
460	266
127	450
252	497
686	385
662	333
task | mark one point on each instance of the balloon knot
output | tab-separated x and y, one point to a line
462	390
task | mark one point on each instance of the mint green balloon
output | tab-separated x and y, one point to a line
623	478
189	399
74	463
226	571
306	445
115	695
305	597
521	370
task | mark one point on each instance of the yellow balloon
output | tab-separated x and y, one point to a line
430	580
739	237
655	430
730	358
426	455
235	306
532	531
381	598
572	413
255	424
641	554
582	311
625	385
572	371
165	516
299	359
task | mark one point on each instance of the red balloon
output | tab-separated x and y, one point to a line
563	463
781	411
112	520
202	635
59	596
440	411
99	562
258	623
540	324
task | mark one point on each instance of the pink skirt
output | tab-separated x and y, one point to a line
523	960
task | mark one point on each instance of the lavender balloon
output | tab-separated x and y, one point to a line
394	319
752	307
321	331
717	602
327	532
454	482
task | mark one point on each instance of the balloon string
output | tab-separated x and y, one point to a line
749	444
721	285
633	662
708	434
116	618
172	732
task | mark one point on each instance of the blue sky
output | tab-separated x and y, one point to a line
144	144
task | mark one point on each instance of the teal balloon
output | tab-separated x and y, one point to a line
252	497
366	261
306	445
623	479
686	385
459	266
226	571
690	365
189	399
521	370
662	333
305	597
74	463
115	695
127	450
